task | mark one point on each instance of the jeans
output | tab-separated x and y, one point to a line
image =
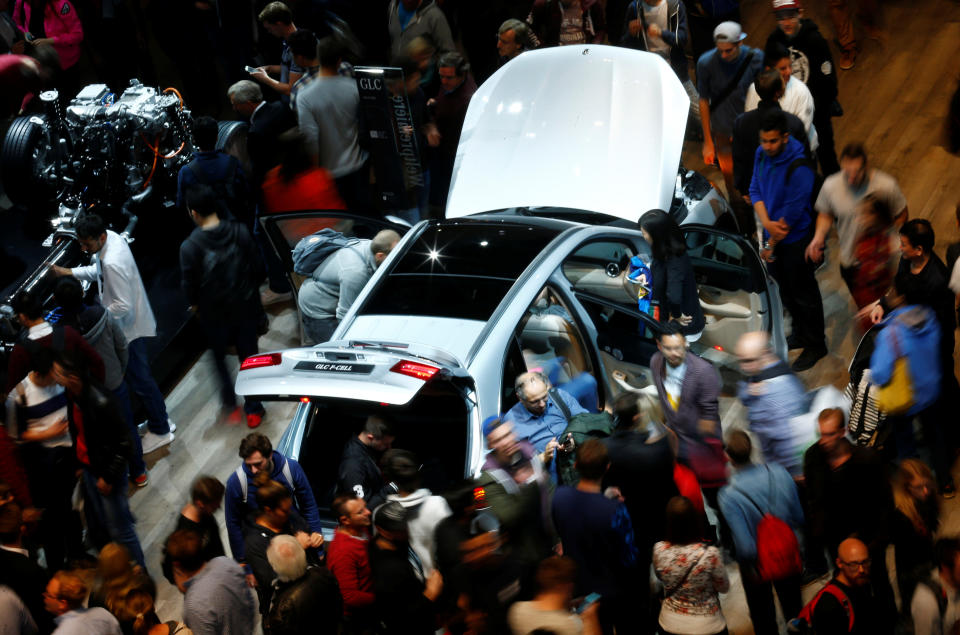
319	330
142	383
136	464
52	478
694	99
827	152
800	292
109	517
763	612
242	333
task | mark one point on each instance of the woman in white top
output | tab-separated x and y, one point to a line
692	574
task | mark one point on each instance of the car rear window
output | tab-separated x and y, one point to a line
489	250
460	270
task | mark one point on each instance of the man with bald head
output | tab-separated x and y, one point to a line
856	580
540	417
771	393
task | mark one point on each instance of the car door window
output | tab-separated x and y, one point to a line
601	268
551	342
623	333
732	287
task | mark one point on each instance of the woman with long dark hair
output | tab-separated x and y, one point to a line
674	287
914	523
692	574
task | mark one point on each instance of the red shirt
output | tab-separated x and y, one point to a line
348	560
688	486
82	455
313	189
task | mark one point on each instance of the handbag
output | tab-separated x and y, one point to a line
896	396
708	461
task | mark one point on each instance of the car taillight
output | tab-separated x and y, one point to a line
259	361
414	369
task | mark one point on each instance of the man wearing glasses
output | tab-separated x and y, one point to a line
538	418
857	596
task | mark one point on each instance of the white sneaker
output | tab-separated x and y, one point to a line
144	427
153	441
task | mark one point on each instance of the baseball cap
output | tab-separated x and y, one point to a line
489	424
786	5
728	32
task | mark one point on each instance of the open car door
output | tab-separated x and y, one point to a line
285	229
737	294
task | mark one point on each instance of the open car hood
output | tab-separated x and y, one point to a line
384	372
592	127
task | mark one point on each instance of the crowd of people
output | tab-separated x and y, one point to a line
579	521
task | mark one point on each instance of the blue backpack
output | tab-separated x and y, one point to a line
312	250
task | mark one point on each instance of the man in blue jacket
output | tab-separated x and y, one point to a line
755	490
781	190
912	331
240	501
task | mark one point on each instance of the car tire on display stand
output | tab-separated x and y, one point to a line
18	159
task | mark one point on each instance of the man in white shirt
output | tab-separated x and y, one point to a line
840	198
935	607
122	293
796	97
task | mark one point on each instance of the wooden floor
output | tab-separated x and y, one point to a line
895	102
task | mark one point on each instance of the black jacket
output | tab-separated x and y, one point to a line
268	123
28	580
644	473
220	272
674	287
107	440
400	603
746	139
256	540
359	474
812	63
869	614
306	605
852	499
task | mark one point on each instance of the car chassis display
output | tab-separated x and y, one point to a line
100	154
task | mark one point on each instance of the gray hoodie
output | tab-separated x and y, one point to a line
429	20
102	332
337	281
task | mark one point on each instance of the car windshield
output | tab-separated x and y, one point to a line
460	270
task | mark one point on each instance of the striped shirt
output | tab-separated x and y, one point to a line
42	407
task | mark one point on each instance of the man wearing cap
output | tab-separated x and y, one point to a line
723	76
812	64
517	490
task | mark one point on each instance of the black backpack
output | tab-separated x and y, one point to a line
231	203
580	428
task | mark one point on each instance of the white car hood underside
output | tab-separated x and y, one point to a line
592	127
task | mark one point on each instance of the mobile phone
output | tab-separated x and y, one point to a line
587	602
250	69
568	444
